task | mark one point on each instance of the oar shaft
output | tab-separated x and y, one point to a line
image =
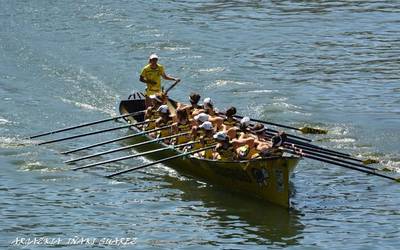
308	152
324	151
117	139
349	167
131	156
85	124
270	123
289	135
85	134
125	147
159	161
296	142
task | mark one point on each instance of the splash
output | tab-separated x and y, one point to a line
220	83
212	70
85	106
14	142
4	121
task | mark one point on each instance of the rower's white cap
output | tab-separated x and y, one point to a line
163	109
202	117
154	97
220	136
153	56
207	101
245	121
206	125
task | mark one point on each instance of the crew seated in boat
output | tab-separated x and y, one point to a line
182	125
206	140
236	149
165	119
151	113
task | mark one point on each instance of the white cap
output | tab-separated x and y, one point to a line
245	120
220	136
206	125
155	98
153	56
163	109
208	101
203	117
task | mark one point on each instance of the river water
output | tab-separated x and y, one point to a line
332	64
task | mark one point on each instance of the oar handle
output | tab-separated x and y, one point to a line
173	85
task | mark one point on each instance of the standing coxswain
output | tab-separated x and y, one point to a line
151	75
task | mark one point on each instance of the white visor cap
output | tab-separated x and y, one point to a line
202	117
206	125
153	56
245	121
220	136
163	109
208	101
154	97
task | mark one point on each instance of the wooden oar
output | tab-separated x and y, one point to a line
159	161
126	147
85	124
305	130
91	133
133	156
337	154
342	164
309	152
296	142
275	131
173	85
289	135
115	140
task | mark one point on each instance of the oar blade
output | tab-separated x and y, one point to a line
310	130
370	161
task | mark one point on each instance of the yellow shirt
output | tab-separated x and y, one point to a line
154	75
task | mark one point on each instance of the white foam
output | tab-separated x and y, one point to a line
211	70
4	121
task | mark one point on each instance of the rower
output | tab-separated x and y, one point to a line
208	106
164	120
182	125
224	150
241	130
265	147
216	120
196	131
151	113
229	121
236	149
194	108
207	140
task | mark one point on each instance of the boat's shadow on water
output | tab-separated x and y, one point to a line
256	221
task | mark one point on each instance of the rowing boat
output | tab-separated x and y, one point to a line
266	179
